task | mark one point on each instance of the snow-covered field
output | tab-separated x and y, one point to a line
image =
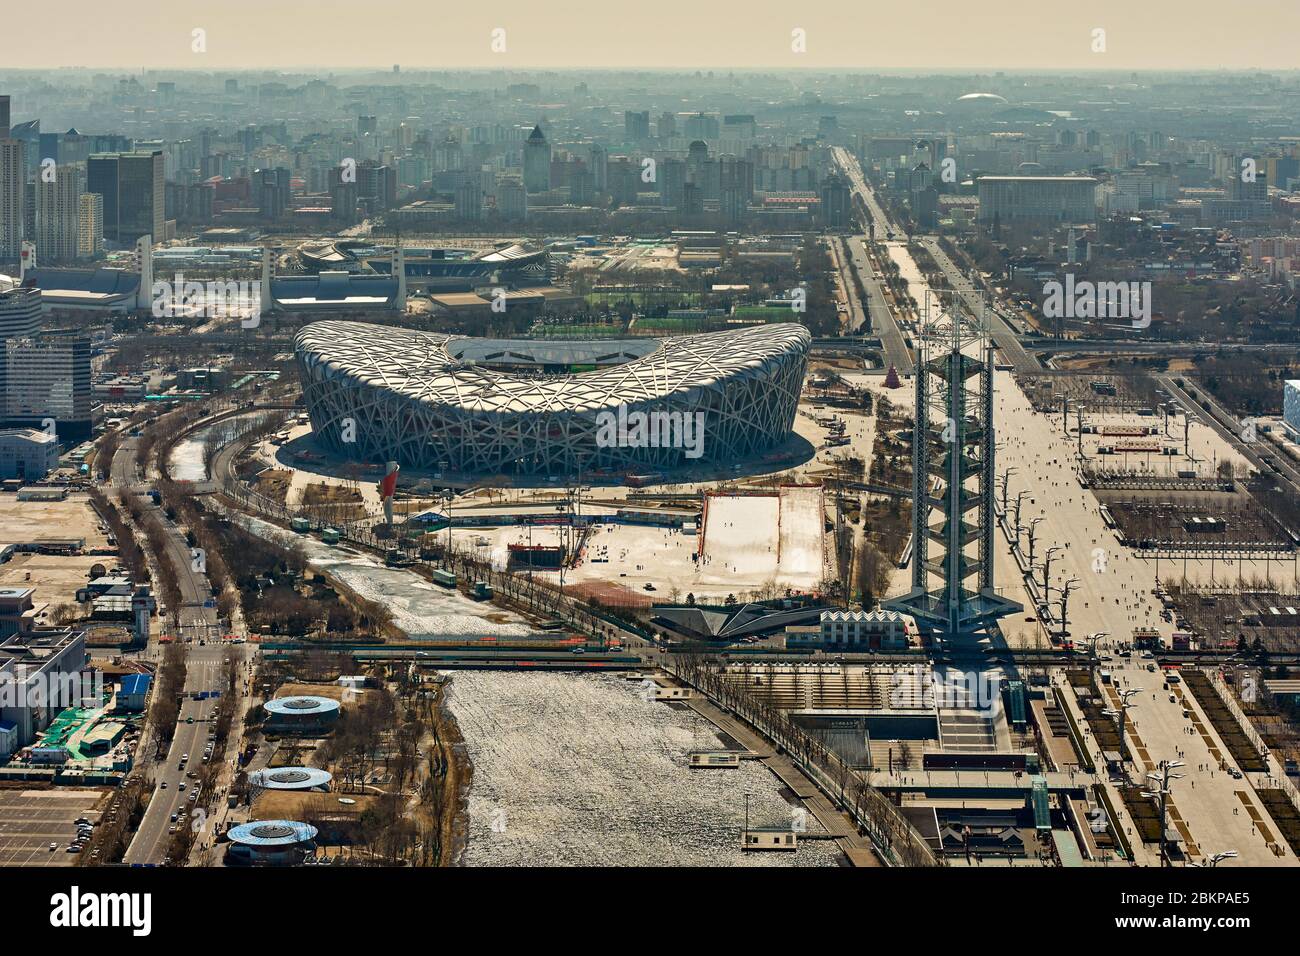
740	537
580	770
801	533
765	538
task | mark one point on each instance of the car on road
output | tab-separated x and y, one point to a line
1234	773
182	786
163	785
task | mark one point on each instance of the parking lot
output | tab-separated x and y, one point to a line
30	820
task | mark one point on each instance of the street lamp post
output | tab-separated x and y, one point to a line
1121	713
1020	496
1033	527
1006	485
1163	776
1070	585
1047	567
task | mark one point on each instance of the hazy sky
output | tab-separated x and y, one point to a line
686	34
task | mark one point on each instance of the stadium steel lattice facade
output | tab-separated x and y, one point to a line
493	406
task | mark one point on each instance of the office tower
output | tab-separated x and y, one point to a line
378	184
625	181
598	162
271	188
134	189
696	156
49	147
20	318
836	203
58	211
48	376
582	187
537	162
13	183
90	225
4	117
667	125
469	199
701	126
367	125
343	197
20	312
739	126
1249	188
952	476
1037	199
735	188
636	126
512	199
671	176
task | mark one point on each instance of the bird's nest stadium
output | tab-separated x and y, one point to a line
511	406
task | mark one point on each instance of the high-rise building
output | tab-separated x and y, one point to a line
537	162
13	192
469	199
20	318
343	196
701	126
599	165
836	203
90	225
671	176
58	213
272	191
512	199
1037	199
636	126
667	125
4	117
735	188
48	376
134	189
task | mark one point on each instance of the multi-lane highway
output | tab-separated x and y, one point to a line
205	666
1255	450
199	631
1005	337
883	321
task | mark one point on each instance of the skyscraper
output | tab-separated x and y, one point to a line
90	225
13	182
537	162
134	189
4	117
636	126
58	214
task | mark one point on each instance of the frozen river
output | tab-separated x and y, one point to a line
580	770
